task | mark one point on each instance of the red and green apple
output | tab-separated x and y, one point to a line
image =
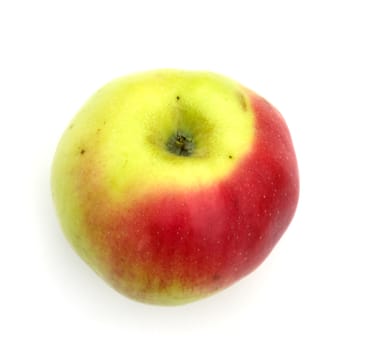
173	185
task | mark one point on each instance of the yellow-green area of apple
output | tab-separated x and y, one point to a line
124	129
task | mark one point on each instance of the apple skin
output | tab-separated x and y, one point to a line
174	230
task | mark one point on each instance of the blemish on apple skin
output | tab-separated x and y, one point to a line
243	102
177	98
230	156
216	277
82	152
71	126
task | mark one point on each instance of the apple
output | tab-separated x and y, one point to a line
172	185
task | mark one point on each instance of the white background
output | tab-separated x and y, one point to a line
309	58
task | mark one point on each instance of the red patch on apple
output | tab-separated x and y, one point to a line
208	238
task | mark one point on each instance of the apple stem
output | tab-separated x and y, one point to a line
180	144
